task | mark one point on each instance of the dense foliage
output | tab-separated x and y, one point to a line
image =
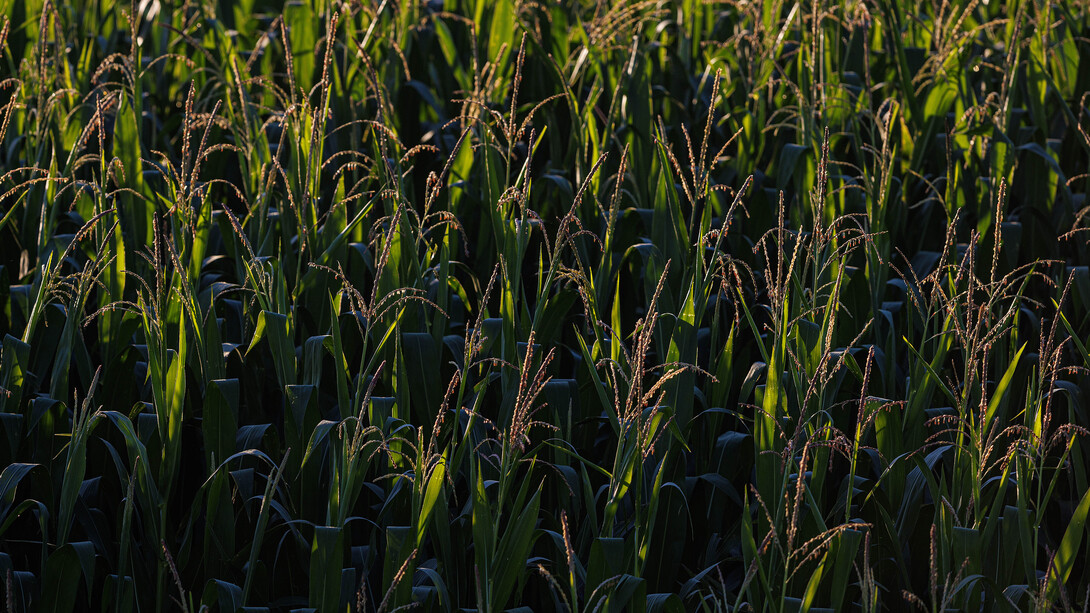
664	305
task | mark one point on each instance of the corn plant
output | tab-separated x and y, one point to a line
662	305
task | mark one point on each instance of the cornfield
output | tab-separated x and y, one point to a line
507	305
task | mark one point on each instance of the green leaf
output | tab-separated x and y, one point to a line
13	371
62	572
607	560
9	481
483	546
501	28
843	561
302	414
12	425
326	557
663	550
422	361
227	595
665	603
303	41
137	215
314	349
399	543
432	492
999	396
509	566
621	593
1069	550
277	328
220	419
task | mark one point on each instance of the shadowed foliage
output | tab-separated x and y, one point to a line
555	306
